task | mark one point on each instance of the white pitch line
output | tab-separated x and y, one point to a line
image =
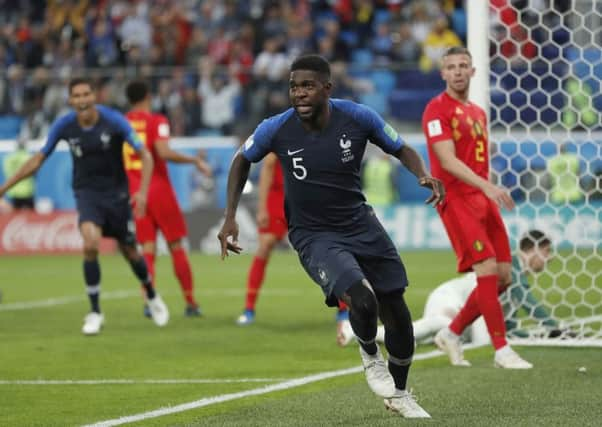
132	381
122	294
285	385
51	302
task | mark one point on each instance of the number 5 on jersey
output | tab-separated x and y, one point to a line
299	170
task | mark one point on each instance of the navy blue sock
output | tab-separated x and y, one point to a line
141	271
92	278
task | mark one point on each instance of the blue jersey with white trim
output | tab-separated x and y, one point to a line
97	152
322	169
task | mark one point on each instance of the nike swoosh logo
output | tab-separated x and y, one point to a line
290	153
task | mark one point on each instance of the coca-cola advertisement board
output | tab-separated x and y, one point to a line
28	232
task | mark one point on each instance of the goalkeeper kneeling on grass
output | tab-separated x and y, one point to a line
444	302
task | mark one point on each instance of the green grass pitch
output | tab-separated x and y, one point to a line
294	336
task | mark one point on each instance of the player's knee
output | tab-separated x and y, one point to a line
504	280
363	300
90	251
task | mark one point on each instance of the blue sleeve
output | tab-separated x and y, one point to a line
123	126
54	133
379	132
259	144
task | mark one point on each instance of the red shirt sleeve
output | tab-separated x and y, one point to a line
436	123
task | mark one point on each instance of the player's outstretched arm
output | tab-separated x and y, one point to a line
239	172
29	168
414	163
166	153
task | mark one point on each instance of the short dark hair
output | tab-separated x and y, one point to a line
534	238
457	50
136	91
314	63
80	81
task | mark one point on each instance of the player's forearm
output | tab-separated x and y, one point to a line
412	161
239	172
459	170
28	169
175	157
147	171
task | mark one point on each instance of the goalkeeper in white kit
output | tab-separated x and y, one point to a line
444	302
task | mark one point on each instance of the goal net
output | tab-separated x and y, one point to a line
545	77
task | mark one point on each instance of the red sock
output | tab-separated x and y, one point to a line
490	308
342	306
181	267
254	281
466	315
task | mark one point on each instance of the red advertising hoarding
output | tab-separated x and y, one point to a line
28	232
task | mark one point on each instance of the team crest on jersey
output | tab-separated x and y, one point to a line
323	276
345	145
478	245
105	138
75	147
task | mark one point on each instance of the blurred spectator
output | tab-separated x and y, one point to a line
564	169
135	29
379	180
404	47
345	86
21	195
436	43
12	91
191	111
102	43
382	45
218	92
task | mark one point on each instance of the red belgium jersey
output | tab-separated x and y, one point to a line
151	128
275	200
446	118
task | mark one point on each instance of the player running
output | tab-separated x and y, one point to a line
341	244
163	212
96	135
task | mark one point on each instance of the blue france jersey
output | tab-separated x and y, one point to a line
322	169
96	151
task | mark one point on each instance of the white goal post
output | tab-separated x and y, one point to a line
539	76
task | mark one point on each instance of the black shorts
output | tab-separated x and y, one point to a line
336	260
112	213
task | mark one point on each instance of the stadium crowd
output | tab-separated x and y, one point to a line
207	60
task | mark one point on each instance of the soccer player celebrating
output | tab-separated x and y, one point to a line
163	212
96	136
341	244
456	133
272	227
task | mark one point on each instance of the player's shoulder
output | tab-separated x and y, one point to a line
440	101
65	120
354	109
271	125
110	114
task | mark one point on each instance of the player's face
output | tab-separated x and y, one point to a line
538	258
457	70
82	99
308	94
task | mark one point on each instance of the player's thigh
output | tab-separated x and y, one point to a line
377	256
498	234
119	223
146	229
276	226
170	220
331	266
90	209
465	222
